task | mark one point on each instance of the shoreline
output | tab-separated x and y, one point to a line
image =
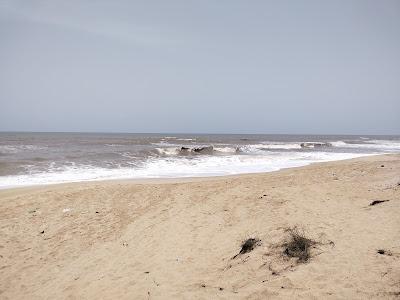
180	179
181	240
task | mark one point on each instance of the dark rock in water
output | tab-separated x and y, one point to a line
200	150
204	150
315	145
184	151
375	202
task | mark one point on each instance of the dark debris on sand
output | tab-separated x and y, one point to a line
248	246
298	245
375	202
384	252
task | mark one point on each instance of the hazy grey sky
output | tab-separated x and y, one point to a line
200	66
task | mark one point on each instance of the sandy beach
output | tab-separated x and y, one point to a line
178	239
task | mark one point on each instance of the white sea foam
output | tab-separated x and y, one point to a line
173	148
253	149
128	155
225	149
168	151
266	146
281	146
166	144
339	144
19	148
171	167
172	151
382	145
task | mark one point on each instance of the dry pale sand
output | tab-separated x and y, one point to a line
176	240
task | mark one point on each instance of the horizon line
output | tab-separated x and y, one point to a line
198	133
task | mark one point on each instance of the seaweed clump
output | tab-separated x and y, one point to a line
298	245
248	246
375	202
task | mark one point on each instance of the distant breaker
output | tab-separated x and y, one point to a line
200	150
315	145
205	150
253	149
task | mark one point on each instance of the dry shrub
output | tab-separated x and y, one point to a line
298	245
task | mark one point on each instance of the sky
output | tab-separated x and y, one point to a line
296	67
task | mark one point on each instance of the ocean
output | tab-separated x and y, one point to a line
45	158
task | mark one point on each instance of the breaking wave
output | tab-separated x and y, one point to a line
175	167
171	156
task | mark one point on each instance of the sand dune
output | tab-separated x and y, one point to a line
177	239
